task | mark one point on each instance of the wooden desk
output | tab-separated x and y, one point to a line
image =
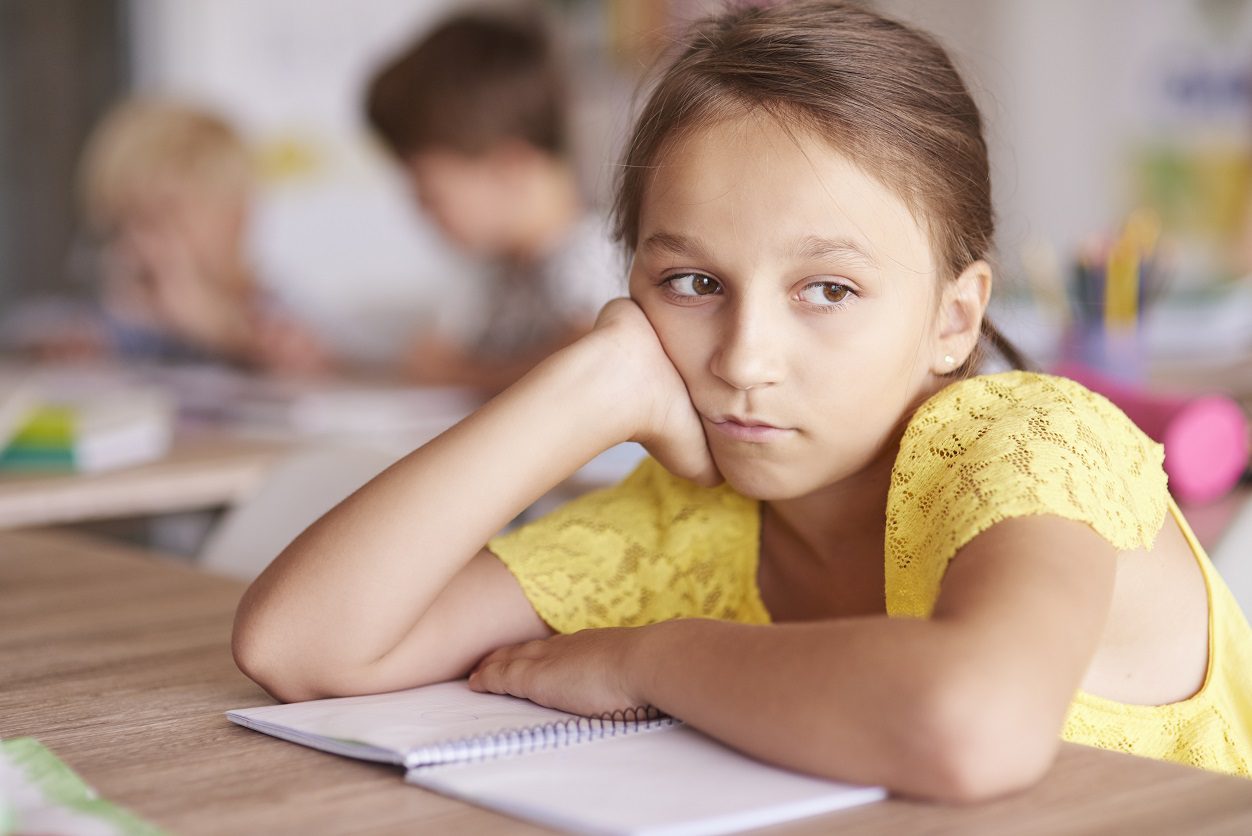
119	662
200	472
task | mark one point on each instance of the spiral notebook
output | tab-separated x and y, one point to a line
633	773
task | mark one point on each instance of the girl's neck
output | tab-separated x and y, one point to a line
849	516
837	521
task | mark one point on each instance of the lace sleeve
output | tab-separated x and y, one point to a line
1010	445
653	548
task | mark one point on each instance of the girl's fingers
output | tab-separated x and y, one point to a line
526	650
534	649
503	677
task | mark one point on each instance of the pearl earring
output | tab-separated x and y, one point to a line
949	359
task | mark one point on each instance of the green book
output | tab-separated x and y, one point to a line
91	433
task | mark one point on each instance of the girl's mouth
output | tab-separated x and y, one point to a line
747	429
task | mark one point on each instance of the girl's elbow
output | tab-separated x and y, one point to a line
978	745
267	663
294	674
260	664
974	771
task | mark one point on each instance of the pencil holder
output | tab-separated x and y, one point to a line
1205	437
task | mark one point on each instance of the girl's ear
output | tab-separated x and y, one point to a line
961	308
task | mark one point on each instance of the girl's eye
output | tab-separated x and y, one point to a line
826	293
693	284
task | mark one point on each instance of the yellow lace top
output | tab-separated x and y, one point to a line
982	450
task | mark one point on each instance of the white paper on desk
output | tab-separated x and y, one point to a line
672	782
388	727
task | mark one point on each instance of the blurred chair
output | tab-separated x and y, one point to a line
311	481
300	489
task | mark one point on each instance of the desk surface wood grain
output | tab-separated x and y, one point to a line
119	661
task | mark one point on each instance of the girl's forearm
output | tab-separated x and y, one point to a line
348	589
894	702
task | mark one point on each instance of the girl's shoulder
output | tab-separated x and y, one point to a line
1038	425
1025	402
1016	444
1027	416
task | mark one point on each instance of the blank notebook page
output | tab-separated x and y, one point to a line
401	721
673	781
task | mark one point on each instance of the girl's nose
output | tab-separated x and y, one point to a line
750	353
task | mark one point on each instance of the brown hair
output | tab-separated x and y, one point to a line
883	93
473	82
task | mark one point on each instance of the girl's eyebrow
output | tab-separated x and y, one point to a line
815	248
808	248
674	244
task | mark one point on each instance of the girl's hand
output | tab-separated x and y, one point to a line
586	673
666	422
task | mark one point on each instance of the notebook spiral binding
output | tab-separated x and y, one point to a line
510	742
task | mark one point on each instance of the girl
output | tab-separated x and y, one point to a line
907	571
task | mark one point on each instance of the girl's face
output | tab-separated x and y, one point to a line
797	297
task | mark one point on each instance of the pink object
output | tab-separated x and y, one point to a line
1205	437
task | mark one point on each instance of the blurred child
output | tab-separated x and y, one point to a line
476	113
167	189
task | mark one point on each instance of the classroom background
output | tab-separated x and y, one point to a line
1120	136
1094	110
138	497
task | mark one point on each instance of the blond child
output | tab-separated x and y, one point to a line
475	113
167	189
911	574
